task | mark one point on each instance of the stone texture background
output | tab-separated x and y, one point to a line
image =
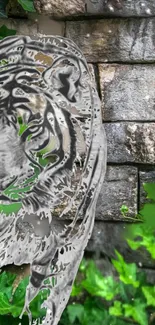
118	41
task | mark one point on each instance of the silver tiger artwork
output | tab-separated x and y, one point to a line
52	166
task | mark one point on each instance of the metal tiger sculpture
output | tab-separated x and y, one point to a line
53	158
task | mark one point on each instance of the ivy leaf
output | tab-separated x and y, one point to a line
98	285
137	311
27	5
6	307
127	272
36	304
6	282
75	311
94	313
4	32
134	244
116	310
148	214
150	190
124	210
147	241
76	290
149	293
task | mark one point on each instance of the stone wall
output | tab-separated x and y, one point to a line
118	41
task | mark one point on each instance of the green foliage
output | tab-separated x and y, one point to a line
116	309
142	235
98	286
27	5
149	293
124	210
4	32
127	272
109	301
137	311
13	302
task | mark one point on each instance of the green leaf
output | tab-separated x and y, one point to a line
137	311
150	190
6	282
75	311
134	244
148	214
116	309
13	303
76	290
6	307
94	313
127	272
149	293
35	306
147	241
27	5
4	32
124	210
97	285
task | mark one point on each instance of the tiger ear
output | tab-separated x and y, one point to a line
65	80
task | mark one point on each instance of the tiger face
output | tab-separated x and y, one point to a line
53	157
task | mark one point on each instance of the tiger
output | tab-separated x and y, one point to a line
53	163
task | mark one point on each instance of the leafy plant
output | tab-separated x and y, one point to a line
12	303
143	235
4	32
27	5
131	300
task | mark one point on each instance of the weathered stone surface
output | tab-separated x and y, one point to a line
108	236
145	177
121	8
48	26
114	40
131	142
60	8
22	26
128	92
119	188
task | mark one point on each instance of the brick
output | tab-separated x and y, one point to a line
48	26
121	8
114	40
119	188
127	92
60	8
131	142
